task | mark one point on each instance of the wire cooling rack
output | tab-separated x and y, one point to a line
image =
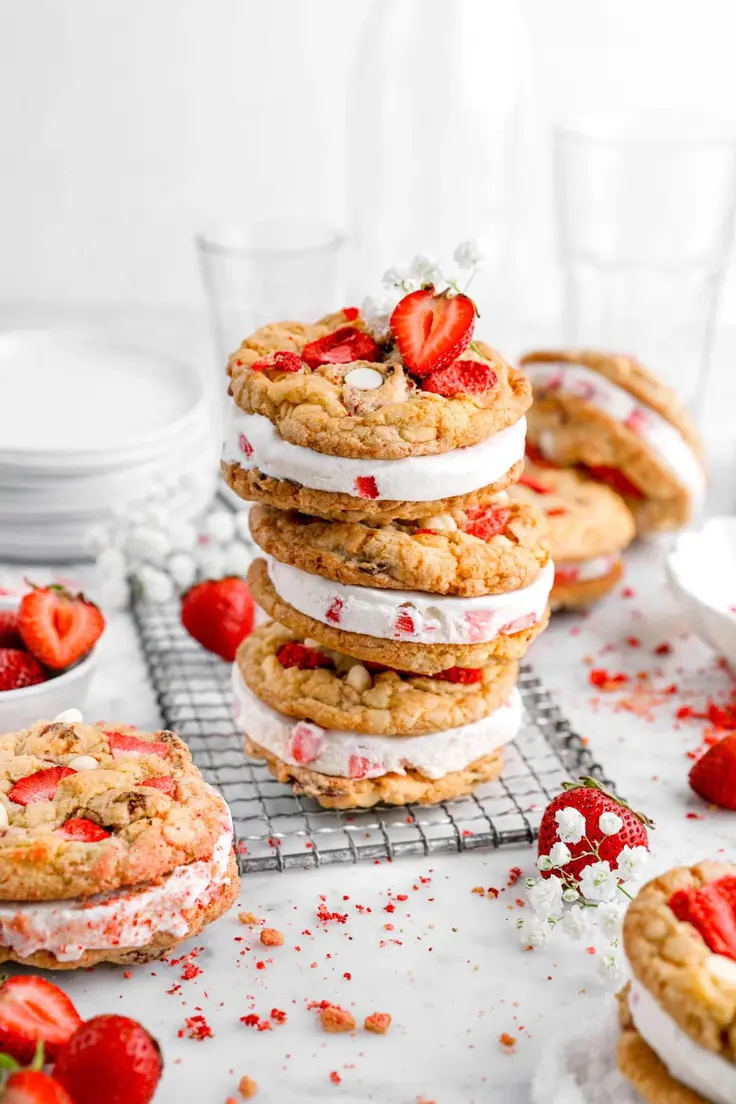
276	829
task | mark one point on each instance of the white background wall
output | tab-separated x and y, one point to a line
126	124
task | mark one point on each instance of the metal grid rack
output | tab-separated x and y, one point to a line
277	830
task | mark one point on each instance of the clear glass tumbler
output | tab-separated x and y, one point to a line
266	272
645	208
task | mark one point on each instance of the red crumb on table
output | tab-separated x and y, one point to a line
335	1019
514	874
278	1016
507	1041
249	918
605	681
324	915
247	1088
633	641
196	1027
377	1022
271	937
191	970
347	976
335	1077
663	649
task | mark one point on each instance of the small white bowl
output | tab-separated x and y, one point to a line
702	572
44	701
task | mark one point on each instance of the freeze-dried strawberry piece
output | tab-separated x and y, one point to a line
557	511
404	623
616	479
245	446
366	487
712	911
334	611
464	377
636	421
351	313
480	625
537	456
358	766
341	347
534	484
305	742
281	361
486	523
298	655
465	675
567	574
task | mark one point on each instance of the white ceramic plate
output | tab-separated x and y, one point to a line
702	572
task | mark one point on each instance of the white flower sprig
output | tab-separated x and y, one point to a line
589	907
398	282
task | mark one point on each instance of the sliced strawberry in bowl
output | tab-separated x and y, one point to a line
81	830
32	1010
18	669
58	627
39	786
341	347
432	330
462	377
9	635
122	745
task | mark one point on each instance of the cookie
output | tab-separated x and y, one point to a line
337	691
389	789
609	415
496	548
589	527
679	1032
141	802
365	404
258	463
394	627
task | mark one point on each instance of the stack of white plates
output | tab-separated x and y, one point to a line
90	430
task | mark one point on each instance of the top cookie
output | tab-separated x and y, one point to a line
331	387
610	415
678	936
91	808
585	519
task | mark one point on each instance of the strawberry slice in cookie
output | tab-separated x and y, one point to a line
432	330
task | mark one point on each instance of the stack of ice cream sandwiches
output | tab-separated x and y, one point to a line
403	584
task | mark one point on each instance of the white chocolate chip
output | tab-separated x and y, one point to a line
315	644
438	521
364	379
83	763
69	716
359	678
722	969
501	499
3	817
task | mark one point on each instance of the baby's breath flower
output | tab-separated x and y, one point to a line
560	854
546	898
612	969
610	824
544	862
426	270
469	254
630	862
576	923
608	918
598	882
570	824
533	933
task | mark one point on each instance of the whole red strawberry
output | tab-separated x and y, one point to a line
33	1011
58	627
111	1059
19	669
432	330
591	800
219	614
713	776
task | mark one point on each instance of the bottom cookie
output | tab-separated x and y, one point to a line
389	789
580	594
648	1074
196	918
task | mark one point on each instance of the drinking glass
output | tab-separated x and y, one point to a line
645	211
267	271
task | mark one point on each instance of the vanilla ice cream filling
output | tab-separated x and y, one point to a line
252	441
411	615
125	918
701	1070
353	755
665	441
583	571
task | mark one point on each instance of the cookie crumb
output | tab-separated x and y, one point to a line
378	1023
247	1088
271	937
335	1019
248	918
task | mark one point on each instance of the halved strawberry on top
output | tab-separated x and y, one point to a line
432	330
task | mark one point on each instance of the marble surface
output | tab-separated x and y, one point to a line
451	971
